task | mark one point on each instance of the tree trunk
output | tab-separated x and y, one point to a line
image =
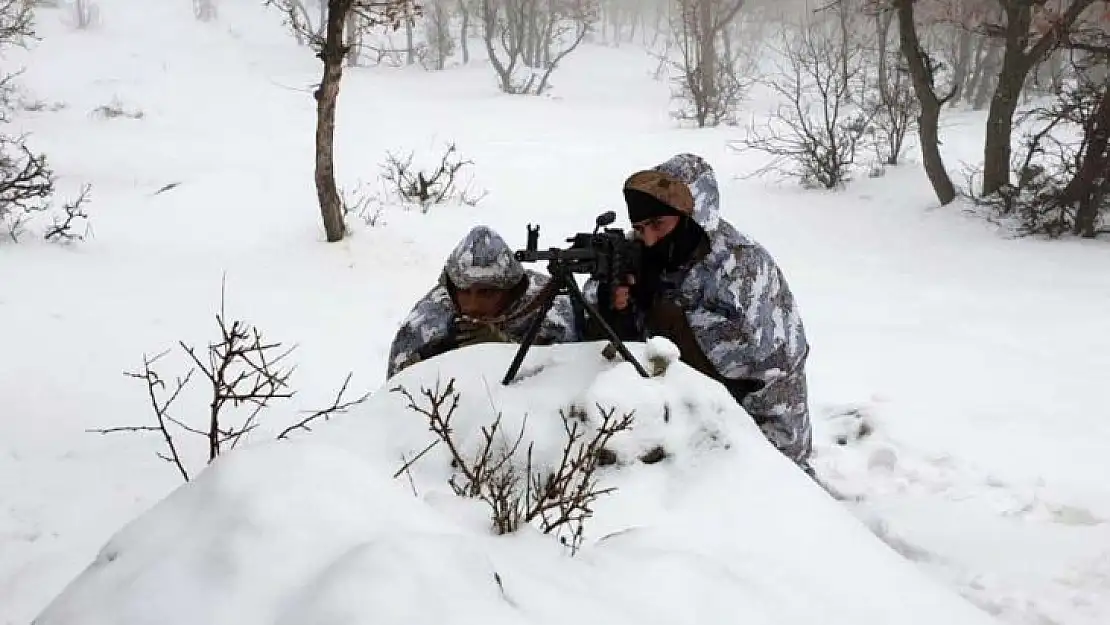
464	31
1088	187
929	121
1000	118
1000	126
882	37
984	81
1018	59
331	206
354	39
963	62
410	52
975	70
844	19
707	57
928	133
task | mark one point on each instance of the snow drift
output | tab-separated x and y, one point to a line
318	530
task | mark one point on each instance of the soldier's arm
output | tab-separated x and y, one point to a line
426	332
749	325
627	324
560	324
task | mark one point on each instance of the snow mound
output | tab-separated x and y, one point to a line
327	529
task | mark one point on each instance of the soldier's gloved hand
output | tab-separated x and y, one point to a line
470	332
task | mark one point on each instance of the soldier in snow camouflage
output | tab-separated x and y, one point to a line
719	296
483	295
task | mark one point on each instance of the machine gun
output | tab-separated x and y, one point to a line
605	255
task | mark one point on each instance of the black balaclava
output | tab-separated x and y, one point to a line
678	247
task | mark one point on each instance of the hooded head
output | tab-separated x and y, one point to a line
653	193
674	206
482	266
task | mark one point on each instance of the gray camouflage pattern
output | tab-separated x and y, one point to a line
481	258
743	315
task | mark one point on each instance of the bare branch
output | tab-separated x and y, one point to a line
161	406
426	189
74	212
338	406
516	490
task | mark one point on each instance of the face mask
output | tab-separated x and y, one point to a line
674	250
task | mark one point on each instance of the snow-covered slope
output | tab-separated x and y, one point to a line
316	531
977	362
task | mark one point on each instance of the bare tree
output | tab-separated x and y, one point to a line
924	75
16	22
708	78
27	183
426	187
332	48
621	20
241	369
1061	180
816	132
466	9
1027	42
527	39
438	38
85	14
205	10
888	94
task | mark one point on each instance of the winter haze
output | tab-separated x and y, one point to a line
936	194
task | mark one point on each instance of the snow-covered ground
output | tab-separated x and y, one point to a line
315	530
975	360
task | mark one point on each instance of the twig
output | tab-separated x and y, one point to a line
161	411
338	406
409	463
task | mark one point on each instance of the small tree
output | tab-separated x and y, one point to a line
331	48
527	39
889	94
243	375
26	180
503	473
708	74
205	10
1061	180
1030	31
816	132
85	14
923	72
438	36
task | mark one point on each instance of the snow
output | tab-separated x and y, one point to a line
314	530
976	362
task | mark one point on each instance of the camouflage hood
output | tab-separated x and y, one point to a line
687	185
698	176
483	258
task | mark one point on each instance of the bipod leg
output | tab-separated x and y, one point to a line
576	293
530	337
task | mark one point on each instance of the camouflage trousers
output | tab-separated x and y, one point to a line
781	409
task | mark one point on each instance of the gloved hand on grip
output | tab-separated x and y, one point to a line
472	332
